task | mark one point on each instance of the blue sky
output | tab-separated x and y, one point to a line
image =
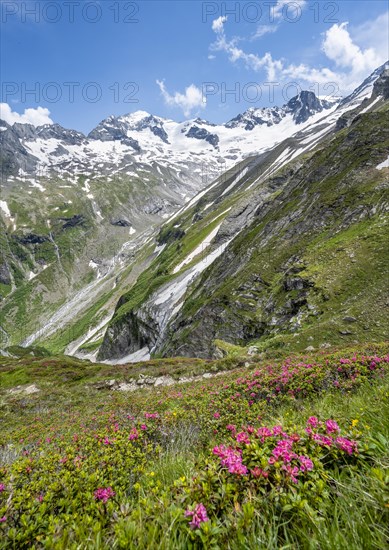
179	59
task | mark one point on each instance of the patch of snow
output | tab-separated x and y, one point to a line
92	333
236	180
36	184
86	187
371	105
175	290
159	249
5	209
383	165
199	249
140	355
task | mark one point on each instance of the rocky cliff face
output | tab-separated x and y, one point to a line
305	105
381	85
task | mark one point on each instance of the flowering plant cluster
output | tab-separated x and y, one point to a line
82	476
198	516
275	463
104	494
110	469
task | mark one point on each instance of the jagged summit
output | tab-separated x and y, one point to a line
306	104
303	106
143	138
256	116
365	89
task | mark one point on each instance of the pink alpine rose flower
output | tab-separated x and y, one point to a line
242	437
198	515
313	421
346	445
306	463
332	426
104	494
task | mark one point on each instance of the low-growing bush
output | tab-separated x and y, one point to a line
239	460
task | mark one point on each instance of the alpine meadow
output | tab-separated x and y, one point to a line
194	345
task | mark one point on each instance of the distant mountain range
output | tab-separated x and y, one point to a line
144	140
80	216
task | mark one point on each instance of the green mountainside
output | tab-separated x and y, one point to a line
306	266
260	419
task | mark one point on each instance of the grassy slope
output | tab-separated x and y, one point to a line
152	475
339	253
345	259
26	309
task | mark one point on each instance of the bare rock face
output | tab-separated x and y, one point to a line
381	85
305	105
121	223
24	390
253	350
202	133
5	276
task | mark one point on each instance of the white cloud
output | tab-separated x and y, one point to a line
349	63
264	29
374	34
290	10
283	10
340	48
192	98
36	117
251	60
218	24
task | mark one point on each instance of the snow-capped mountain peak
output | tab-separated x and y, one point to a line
301	107
135	117
255	116
365	89
306	104
116	128
196	150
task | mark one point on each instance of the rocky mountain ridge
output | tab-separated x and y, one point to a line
132	137
81	232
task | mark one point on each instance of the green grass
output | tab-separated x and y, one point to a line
154	477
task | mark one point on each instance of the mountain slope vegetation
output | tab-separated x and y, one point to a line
298	260
80	215
285	451
220	379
